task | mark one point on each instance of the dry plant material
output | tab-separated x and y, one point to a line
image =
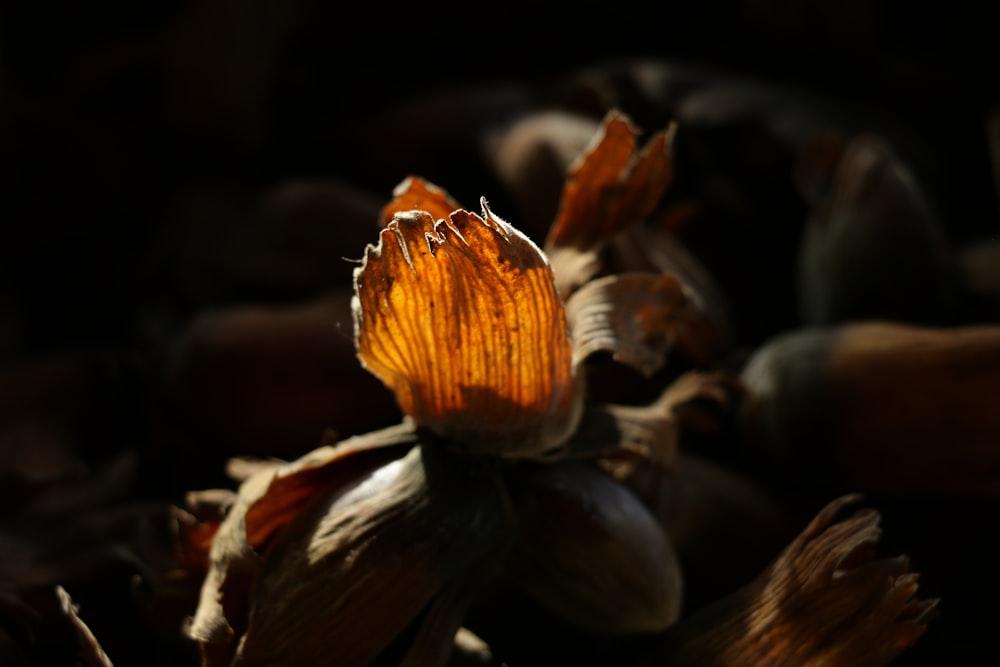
610	187
826	600
460	318
374	549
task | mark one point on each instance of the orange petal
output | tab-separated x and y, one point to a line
611	186
461	319
416	194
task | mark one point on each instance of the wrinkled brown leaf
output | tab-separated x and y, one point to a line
352	572
638	318
608	188
826	601
266	503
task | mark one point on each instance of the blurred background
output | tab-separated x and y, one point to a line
181	184
113	116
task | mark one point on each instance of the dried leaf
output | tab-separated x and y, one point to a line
417	194
91	652
824	602
531	157
266	503
42	626
460	318
651	433
652	249
638	318
348	576
623	433
609	187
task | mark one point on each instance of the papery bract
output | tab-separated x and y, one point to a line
460	318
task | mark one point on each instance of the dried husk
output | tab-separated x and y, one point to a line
825	601
884	407
531	156
637	317
612	185
266	503
459	316
354	570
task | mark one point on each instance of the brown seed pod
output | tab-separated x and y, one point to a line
884	407
873	247
591	552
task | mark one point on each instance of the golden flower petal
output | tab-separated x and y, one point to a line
460	318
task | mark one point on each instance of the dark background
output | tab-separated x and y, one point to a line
134	136
109	112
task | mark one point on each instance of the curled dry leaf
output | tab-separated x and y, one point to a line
459	316
42	626
707	332
826	600
352	572
90	649
265	504
609	187
531	157
638	318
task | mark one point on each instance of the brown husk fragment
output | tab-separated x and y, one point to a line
609	187
357	568
42	626
637	317
826	600
266	503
